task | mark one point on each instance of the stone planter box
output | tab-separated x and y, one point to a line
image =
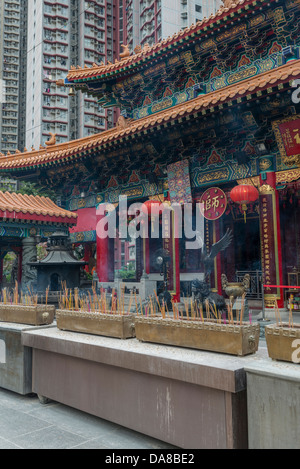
283	342
233	339
108	325
39	315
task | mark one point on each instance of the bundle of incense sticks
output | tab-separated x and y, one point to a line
291	321
191	310
230	312
242	308
16	298
277	314
92	302
47	293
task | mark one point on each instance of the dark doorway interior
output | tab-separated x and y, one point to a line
55	284
247	245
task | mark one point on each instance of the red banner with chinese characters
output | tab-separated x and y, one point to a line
287	133
290	134
214	203
269	245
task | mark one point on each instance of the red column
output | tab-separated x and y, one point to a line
105	254
270	240
218	264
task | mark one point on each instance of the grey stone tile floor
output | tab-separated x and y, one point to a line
27	424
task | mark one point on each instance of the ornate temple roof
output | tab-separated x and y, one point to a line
28	207
59	153
140	56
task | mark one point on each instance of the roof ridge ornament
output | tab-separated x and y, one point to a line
123	123
229	3
125	53
52	140
138	49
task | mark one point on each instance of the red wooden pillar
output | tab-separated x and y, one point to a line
271	252
218	263
105	252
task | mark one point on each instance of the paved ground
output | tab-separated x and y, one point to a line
27	424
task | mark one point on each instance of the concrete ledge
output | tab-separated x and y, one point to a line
15	359
188	398
273	405
165	361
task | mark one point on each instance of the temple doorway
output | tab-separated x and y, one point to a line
247	245
244	254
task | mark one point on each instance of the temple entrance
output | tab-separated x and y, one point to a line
244	255
247	245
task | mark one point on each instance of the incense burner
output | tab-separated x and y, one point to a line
283	342
38	315
211	335
115	325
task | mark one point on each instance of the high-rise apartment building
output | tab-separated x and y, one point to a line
41	40
149	21
12	53
60	35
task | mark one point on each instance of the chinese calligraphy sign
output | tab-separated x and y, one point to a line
287	132
269	242
214	203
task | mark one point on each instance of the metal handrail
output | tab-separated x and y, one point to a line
256	289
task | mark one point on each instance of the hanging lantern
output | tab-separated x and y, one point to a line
244	194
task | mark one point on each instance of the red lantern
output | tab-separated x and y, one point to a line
243	195
151	207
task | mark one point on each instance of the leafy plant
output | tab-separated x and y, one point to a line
127	272
30	188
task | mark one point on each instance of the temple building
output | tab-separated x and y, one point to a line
213	108
25	222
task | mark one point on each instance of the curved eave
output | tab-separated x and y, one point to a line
20	207
84	75
211	102
28	217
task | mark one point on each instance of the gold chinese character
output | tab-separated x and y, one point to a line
297	136
208	203
215	202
